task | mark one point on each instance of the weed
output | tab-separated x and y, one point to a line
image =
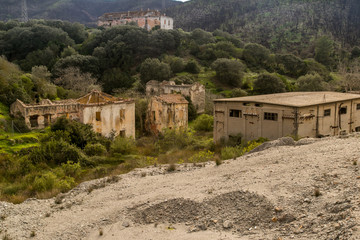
171	168
317	192
101	232
355	162
47	215
2	217
143	174
32	234
218	161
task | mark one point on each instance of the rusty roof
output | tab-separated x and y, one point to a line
171	98
295	99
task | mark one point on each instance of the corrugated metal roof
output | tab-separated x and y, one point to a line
295	99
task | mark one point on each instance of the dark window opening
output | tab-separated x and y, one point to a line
343	110
327	112
153	116
270	116
358	106
122	133
235	113
34	121
246	104
98	116
47	120
258	105
357	129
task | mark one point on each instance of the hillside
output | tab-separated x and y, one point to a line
276	24
307	190
83	11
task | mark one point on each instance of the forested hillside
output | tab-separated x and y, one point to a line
277	24
83	11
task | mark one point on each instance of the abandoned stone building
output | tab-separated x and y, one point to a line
144	19
167	111
303	114
195	91
107	114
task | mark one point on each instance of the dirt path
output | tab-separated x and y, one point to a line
265	195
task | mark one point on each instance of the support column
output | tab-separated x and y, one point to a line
41	121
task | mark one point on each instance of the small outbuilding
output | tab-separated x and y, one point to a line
302	114
167	111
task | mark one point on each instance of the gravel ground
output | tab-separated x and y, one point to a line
285	190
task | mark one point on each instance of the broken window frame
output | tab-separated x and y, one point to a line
98	116
327	112
343	110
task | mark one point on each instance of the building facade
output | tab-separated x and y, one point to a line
167	111
195	91
144	19
303	114
107	114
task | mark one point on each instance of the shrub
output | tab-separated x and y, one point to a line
312	82
231	152
202	156
204	123
66	184
229	71
71	169
268	83
94	149
171	167
192	67
122	146
44	182
175	139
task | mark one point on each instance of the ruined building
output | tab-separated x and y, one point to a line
302	114
167	111
195	91
144	19
107	114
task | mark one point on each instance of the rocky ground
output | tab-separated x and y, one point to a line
282	190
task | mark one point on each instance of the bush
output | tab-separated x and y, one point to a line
312	82
202	156
268	83
122	146
94	149
204	123
229	71
231	152
175	139
44	182
192	67
71	169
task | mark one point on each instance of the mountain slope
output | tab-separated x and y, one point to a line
276	24
84	11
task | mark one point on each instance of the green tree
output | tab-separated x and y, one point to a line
312	82
115	78
324	51
256	56
267	83
228	71
153	69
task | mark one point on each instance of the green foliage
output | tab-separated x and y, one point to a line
228	71
355	52
44	182
175	139
115	78
95	149
256	56
192	67
324	50
153	69
312	82
290	65
231	152
71	169
204	122
122	146
201	37
268	83
202	156
80	134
